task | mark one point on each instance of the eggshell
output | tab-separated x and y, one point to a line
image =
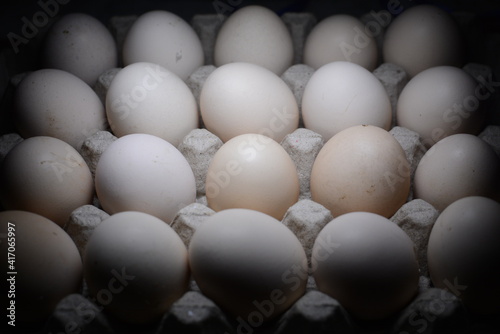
241	98
342	94
340	38
249	264
439	102
256	35
55	103
141	172
367	263
457	166
464	252
147	98
254	172
80	44
423	37
362	168
46	176
140	263
46	263
164	38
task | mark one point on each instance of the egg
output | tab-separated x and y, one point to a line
439	102
248	263
142	172
164	38
136	266
254	34
147	98
46	176
464	253
362	168
45	266
367	263
342	94
80	44
457	166
422	37
340	38
56	103
239	98
254	172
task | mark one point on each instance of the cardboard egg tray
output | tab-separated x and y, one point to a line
432	311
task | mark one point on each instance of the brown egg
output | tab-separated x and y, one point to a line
254	172
362	168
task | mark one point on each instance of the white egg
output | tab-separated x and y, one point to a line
46	176
340	38
248	263
439	102
46	262
367	263
464	252
136	266
457	166
422	37
239	98
254	34
141	172
147	98
164	38
80	44
342	94
58	104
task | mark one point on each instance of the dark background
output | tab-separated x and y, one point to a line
12	10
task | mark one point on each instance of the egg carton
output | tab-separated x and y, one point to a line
432	311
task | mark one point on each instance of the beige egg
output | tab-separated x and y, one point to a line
457	166
362	168
248	263
148	98
241	98
464	252
136	266
254	34
342	94
254	172
423	37
439	102
163	38
141	172
46	176
80	44
58	104
340	38
42	266
367	263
